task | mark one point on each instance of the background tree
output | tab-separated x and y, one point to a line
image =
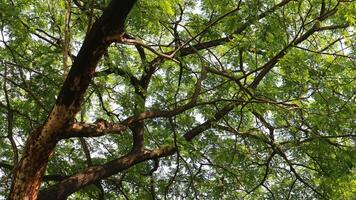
187	99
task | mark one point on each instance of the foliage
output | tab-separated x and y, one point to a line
286	68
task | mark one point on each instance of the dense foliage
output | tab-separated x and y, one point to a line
256	97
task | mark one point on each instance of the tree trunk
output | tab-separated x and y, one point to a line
39	146
29	172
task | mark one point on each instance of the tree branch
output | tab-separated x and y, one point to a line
213	43
97	129
93	174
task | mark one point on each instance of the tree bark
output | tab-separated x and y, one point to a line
40	144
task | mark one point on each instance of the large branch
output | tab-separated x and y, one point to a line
96	129
93	174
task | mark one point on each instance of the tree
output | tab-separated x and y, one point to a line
187	99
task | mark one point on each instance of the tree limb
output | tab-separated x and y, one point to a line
92	174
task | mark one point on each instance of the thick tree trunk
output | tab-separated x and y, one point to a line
28	174
39	147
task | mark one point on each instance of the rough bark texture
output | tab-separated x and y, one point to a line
39	147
